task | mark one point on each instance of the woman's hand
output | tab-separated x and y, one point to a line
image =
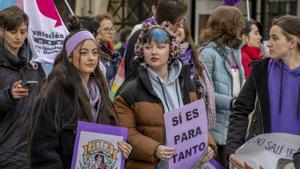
235	163
164	152
18	91
208	155
125	148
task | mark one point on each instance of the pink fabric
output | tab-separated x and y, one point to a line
209	97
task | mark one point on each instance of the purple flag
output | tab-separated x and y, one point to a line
186	131
231	2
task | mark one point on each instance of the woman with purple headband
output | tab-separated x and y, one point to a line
75	90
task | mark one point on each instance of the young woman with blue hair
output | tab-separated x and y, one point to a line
162	84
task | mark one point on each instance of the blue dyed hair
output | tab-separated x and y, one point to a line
156	35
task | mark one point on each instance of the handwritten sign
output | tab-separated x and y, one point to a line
186	130
272	150
96	146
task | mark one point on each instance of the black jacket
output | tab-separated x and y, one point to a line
111	60
52	143
297	159
130	53
255	86
14	114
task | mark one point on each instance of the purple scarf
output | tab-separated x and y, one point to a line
93	93
186	59
150	21
206	89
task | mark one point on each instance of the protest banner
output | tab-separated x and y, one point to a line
186	130
96	146
272	150
46	31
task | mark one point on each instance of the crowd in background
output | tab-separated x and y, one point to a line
164	70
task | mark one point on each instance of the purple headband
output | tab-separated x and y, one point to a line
76	39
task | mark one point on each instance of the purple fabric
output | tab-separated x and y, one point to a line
231	60
76	39
207	84
186	57
94	94
209	92
231	2
287	119
216	164
150	21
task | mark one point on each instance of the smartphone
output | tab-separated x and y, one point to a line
29	83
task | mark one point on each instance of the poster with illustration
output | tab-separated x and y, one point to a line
96	146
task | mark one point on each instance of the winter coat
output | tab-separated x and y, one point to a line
52	143
140	110
111	60
220	72
15	113
130	53
253	97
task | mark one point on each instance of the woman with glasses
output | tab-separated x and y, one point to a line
104	38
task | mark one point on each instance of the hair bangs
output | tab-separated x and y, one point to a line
157	35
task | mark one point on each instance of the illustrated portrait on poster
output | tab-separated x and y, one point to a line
96	146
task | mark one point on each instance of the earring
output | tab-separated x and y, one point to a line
169	60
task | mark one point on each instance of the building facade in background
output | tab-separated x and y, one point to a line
127	13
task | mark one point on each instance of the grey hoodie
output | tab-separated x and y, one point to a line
169	93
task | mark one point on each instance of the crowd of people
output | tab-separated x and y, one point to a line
164	70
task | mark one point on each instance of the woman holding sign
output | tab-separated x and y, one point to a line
75	90
162	84
272	90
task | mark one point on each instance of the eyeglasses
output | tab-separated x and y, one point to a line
107	29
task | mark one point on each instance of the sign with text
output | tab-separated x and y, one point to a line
96	146
186	130
272	150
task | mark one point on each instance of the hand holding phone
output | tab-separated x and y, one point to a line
29	83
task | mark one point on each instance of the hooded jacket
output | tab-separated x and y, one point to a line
220	71
15	114
141	110
254	96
